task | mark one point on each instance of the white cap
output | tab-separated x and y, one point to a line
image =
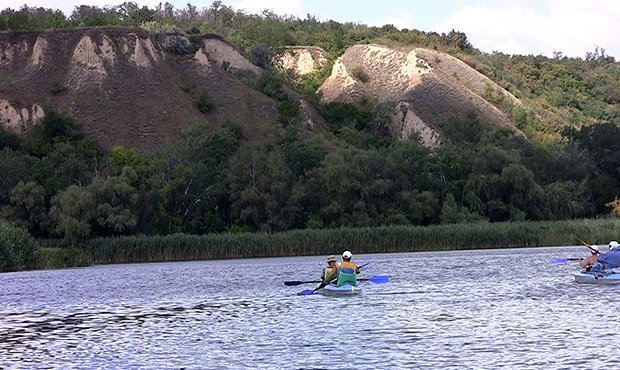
346	254
613	245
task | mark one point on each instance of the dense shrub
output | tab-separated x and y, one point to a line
260	55
204	103
57	87
18	249
180	45
359	74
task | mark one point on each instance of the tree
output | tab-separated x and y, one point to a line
64	165
93	16
426	208
72	213
55	127
193	195
119	158
17	20
260	186
603	188
601	141
457	40
115	200
15	166
566	199
521	191
132	15
452	213
28	207
304	157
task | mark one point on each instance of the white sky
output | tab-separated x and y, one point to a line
514	27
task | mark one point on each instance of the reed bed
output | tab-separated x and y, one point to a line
388	239
59	258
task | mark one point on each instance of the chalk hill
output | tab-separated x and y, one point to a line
129	89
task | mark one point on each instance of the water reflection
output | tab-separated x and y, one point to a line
509	308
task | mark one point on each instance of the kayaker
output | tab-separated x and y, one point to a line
603	262
346	262
347	271
330	273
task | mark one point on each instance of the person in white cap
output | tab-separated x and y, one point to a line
603	262
346	262
347	271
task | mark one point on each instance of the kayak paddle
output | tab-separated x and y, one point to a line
296	282
564	260
310	291
293	283
592	249
377	279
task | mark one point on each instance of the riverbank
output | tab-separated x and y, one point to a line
390	239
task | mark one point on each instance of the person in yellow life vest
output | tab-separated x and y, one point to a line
347	271
330	273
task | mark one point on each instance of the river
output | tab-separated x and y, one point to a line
488	309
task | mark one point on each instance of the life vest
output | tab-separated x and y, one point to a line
348	264
347	274
326	272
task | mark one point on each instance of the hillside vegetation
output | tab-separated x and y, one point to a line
552	156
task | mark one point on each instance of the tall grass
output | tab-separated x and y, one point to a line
363	240
58	258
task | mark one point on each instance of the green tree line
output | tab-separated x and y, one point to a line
58	183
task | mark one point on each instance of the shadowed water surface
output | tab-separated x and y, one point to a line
467	309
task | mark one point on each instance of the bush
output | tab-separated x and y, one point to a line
359	74
519	116
204	103
288	109
18	249
57	87
180	45
260	55
248	77
270	84
8	139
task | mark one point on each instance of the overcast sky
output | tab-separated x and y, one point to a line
510	26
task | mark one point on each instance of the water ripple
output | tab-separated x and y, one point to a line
513	310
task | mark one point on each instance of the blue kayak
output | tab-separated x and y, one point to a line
345	289
597	277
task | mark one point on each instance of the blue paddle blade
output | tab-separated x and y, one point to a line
379	279
564	260
306	292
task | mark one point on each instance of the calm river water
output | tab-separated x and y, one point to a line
461	310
